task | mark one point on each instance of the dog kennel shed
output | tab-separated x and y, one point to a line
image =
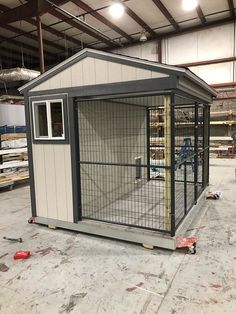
118	146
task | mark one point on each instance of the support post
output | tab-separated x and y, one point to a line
205	165
168	205
172	156
208	141
159	50
148	143
75	158
40	45
196	154
185	188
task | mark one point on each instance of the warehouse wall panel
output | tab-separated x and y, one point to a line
207	44
12	114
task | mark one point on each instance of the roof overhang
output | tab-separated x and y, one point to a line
172	71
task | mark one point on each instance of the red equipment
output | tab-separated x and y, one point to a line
21	255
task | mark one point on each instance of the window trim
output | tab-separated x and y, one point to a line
34	120
62	98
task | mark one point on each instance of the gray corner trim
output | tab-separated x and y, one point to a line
30	157
116	58
197	80
192	88
137	86
128	89
193	98
64	97
75	170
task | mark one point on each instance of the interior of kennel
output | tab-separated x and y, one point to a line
143	160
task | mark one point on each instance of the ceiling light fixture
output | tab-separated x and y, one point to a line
143	37
116	10
189	5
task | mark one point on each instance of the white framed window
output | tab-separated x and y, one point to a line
48	119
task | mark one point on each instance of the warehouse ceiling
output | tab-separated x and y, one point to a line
68	26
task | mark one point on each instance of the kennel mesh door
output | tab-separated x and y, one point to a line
115	165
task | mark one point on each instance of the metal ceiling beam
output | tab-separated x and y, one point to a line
45	27
102	19
31	36
14	55
27	10
6	54
167	14
80	25
188	30
19	13
138	20
24	45
206	62
231	8
198	27
54	31
201	15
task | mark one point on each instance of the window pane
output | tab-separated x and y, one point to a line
57	121
41	124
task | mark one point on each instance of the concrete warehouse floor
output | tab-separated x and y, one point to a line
76	273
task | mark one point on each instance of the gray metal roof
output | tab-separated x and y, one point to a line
131	61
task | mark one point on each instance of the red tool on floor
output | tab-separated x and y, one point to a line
21	255
188	243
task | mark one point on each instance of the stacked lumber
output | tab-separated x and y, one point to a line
13	158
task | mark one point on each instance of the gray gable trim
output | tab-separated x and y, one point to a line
157	86
135	62
140	86
194	78
116	58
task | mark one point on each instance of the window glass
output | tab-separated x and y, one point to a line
56	119
41	124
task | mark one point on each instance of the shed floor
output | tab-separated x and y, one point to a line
75	273
144	206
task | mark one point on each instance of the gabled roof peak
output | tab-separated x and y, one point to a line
117	58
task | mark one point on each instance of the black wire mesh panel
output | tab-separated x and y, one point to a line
115	164
184	160
200	143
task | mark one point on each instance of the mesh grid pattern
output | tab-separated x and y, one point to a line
125	160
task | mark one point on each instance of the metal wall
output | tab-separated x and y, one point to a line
207	44
12	114
212	43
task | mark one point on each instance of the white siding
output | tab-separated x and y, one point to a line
91	71
53	182
76	75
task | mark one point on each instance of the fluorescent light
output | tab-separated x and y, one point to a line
143	37
189	5
116	10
